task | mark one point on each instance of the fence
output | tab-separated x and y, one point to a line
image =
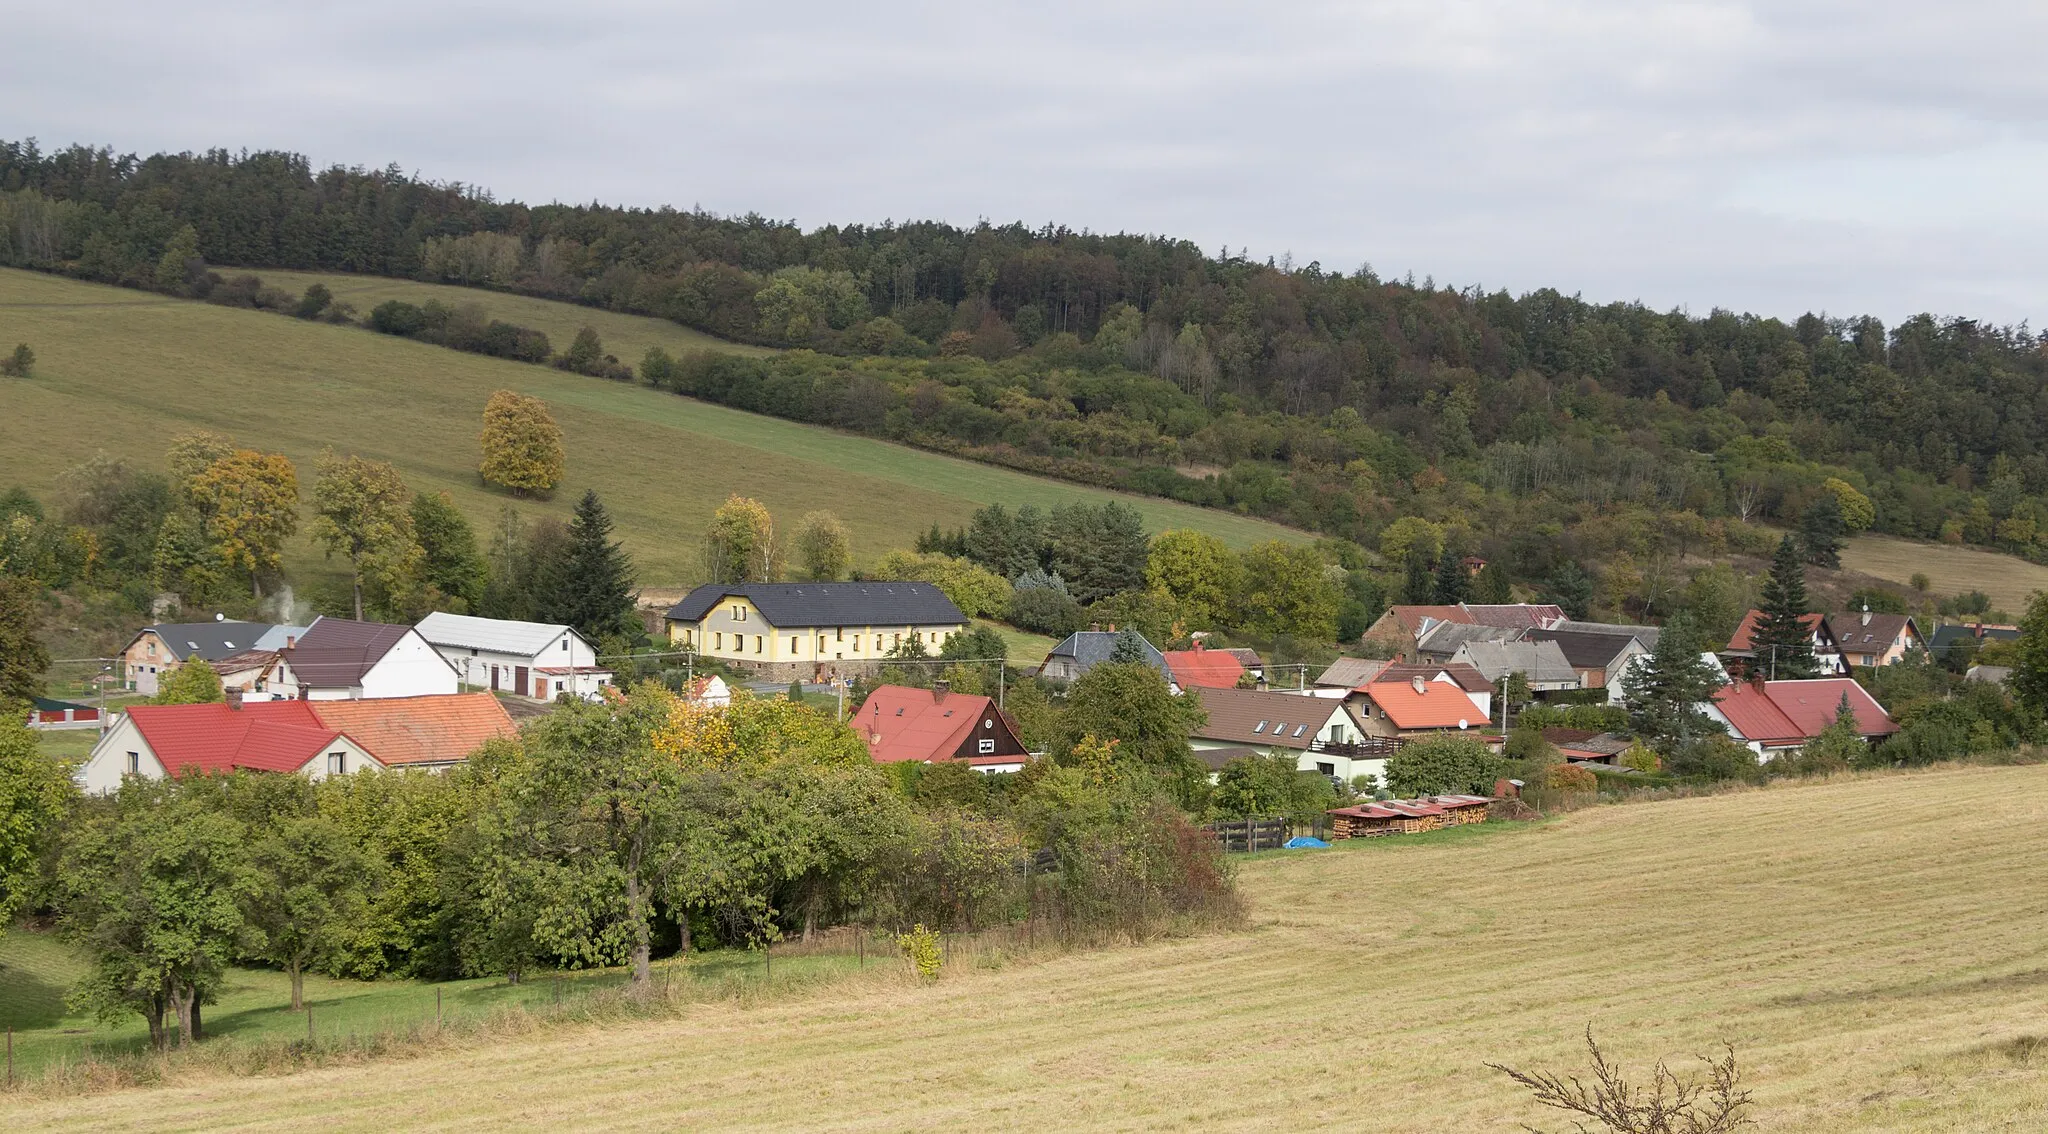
1247	835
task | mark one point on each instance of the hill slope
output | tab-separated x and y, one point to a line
123	371
1870	958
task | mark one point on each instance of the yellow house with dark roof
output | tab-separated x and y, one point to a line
793	631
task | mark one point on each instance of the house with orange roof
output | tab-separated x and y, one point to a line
1414	707
901	724
1202	668
311	738
1777	716
1741	652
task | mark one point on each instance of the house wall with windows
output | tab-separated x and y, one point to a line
736	630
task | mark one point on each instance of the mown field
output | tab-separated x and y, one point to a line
1873	948
122	372
2008	579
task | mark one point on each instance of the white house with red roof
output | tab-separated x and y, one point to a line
933	726
1776	716
155	741
312	738
1827	653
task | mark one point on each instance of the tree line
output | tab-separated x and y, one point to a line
1334	401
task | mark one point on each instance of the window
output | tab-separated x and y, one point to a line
337	763
558	688
739	614
1299	729
840	634
565	646
717	641
757	643
472	651
985	746
1260	727
856	643
821	643
896	640
792	645
135	763
1326	769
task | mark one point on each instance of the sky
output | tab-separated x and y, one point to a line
1877	157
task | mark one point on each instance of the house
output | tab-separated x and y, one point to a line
341	659
1397	632
1320	733
1967	637
1875	639
428	734
1597	652
1202	668
805	631
156	650
1346	674
709	690
1407	816
1441	642
313	738
260	675
1082	651
43	713
1741	652
155	741
533	659
1414	708
1617	691
901	724
1469	680
1248	658
1587	746
1541	664
1774	716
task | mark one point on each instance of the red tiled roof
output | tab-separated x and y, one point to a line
270	736
911	725
1438	704
418	730
1411	617
1204	669
1745	634
1794	711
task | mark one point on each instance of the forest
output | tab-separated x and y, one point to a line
1536	431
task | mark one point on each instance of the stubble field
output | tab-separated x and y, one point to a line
1875	948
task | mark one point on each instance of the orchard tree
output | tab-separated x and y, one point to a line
1129	703
308	896
251	504
740	546
192	682
361	509
23	657
522	445
823	546
35	796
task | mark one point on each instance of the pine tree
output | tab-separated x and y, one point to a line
1572	589
1419	588
1784	646
1453	585
595	591
1490	587
1821	528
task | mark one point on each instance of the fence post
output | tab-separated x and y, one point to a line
860	948
768	961
437	1009
10	1057
309	1023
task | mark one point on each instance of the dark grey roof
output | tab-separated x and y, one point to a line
1948	635
1588	649
1445	637
210	640
335	653
1647	635
1090	648
829	604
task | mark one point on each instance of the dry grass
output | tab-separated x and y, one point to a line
1872	946
2008	579
124	371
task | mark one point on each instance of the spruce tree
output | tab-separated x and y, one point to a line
595	590
1452	584
1572	589
1419	588
1821	528
1784	646
1665	690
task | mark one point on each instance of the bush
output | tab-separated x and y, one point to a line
922	946
1570	777
397	317
1640	759
1043	610
19	364
1443	766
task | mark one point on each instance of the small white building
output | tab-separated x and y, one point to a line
337	659
532	659
154	741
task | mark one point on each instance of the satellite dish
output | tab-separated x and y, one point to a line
1463	724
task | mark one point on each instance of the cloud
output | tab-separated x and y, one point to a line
1773	157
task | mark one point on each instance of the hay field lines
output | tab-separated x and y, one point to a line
1877	962
2008	579
123	371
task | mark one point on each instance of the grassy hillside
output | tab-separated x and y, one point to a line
123	371
2008	579
1871	958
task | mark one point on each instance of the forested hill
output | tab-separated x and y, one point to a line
1535	428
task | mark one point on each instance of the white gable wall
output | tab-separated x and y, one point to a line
411	668
102	771
354	758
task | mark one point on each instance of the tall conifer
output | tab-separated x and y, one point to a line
1784	646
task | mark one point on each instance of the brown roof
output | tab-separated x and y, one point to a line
1264	719
1851	632
1515	616
1350	673
1412	617
418	730
335	653
1745	634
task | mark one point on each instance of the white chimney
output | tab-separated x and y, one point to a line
1420	686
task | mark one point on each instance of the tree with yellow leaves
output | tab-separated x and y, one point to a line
740	547
754	732
522	445
361	509
250	502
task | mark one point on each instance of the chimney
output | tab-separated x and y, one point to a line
1866	614
1198	645
1419	685
234	699
940	688
290	640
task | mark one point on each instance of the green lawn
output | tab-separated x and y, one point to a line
123	371
67	745
37	971
1022	647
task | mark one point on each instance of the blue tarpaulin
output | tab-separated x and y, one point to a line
1303	842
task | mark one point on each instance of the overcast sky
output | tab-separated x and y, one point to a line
1874	156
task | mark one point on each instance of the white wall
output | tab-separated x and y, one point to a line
102	771
474	671
411	668
355	759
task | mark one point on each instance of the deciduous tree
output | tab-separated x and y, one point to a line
308	892
35	796
823	546
23	657
522	445
251	504
741	547
1288	590
1443	765
1196	575
361	509
449	559
1130	703
192	682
